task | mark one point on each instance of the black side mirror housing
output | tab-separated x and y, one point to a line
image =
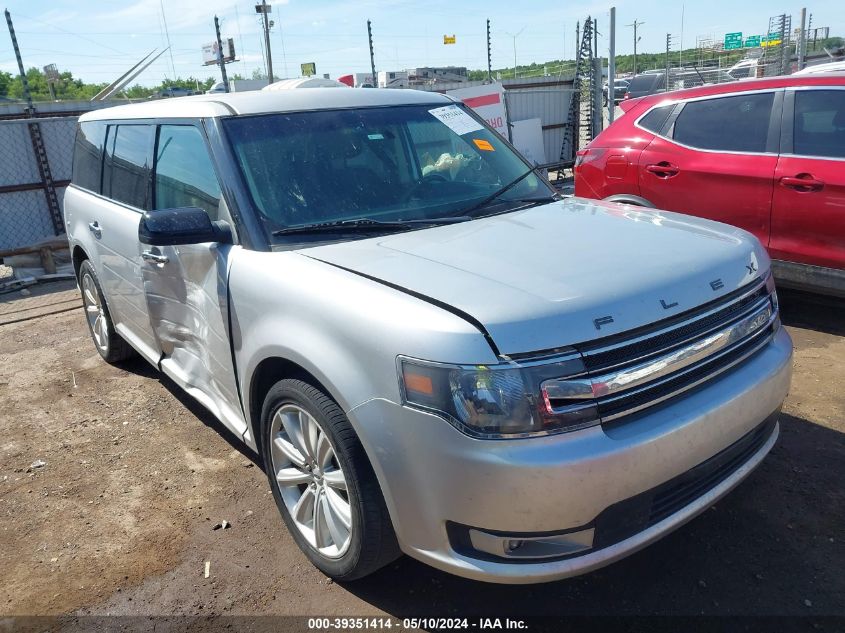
188	225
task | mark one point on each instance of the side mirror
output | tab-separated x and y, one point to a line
189	225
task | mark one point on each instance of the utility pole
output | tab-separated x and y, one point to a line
266	9
220	61
489	56
611	68
37	139
802	39
636	25
26	94
577	38
372	53
668	46
595	37
810	28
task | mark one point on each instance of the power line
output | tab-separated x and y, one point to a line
167	35
68	32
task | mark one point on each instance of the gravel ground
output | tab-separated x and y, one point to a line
118	519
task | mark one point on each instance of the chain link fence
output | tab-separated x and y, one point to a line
25	215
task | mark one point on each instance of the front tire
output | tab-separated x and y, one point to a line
323	483
108	342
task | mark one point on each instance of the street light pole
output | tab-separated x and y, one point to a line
635	25
514	49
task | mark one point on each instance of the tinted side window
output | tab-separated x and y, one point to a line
654	120
819	128
126	173
646	83
735	124
87	155
184	174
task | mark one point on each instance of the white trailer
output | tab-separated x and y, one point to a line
393	79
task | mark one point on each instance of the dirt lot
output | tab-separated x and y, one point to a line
119	519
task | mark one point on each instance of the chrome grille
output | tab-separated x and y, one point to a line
640	369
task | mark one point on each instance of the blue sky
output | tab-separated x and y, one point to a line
98	40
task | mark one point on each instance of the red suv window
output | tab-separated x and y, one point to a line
654	120
735	124
819	123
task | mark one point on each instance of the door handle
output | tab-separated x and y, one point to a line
94	227
663	169
802	183
155	258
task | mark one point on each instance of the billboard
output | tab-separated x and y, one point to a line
52	72
309	69
209	52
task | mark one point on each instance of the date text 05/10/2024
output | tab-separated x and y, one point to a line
353	624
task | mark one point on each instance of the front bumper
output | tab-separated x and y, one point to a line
434	477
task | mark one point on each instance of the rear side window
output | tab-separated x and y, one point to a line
184	174
732	124
819	128
645	83
126	172
88	154
654	120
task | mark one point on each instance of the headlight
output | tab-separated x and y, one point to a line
495	401
773	295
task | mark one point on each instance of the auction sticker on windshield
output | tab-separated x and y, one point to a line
456	119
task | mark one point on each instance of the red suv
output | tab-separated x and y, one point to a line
765	155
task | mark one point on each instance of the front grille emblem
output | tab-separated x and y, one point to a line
605	320
666	306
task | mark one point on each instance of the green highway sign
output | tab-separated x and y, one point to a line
733	41
752	41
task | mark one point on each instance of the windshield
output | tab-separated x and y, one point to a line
396	164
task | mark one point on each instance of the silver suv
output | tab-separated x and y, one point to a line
430	351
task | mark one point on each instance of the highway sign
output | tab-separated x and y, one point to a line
733	41
752	41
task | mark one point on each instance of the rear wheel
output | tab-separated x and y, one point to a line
108	342
323	483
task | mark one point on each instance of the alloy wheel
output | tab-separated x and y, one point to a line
94	312
311	481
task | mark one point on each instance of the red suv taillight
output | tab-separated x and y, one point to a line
579	157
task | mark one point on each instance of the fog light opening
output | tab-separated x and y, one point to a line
527	547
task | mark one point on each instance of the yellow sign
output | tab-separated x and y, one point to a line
768	43
309	69
448	39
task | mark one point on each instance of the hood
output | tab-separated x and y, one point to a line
554	275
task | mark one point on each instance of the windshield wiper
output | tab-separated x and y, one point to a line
503	190
366	225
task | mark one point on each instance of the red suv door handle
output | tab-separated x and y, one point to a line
663	169
802	182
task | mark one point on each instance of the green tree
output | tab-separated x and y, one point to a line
5	83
